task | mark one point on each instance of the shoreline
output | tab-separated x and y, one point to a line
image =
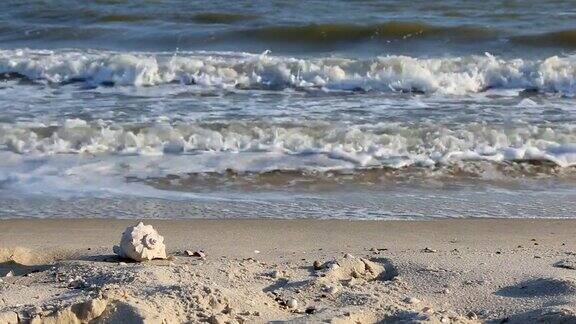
456	270
236	235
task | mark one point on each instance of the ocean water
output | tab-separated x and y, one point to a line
288	109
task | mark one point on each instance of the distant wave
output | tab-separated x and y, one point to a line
563	38
208	30
122	18
452	75
218	18
328	33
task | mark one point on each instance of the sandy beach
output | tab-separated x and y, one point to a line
253	271
291	161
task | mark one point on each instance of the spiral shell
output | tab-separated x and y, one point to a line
141	243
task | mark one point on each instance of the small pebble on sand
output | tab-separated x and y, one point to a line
277	274
292	303
198	254
412	300
310	310
428	310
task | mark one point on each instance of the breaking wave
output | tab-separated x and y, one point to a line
452	75
315	145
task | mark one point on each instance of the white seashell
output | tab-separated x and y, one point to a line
140	243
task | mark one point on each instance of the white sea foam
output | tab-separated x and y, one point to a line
453	75
79	158
371	145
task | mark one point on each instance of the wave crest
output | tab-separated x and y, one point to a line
456	75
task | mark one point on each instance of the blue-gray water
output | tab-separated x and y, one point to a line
348	109
366	28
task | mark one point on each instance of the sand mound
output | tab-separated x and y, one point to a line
23	256
83	312
350	267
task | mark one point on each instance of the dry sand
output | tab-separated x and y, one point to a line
461	271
